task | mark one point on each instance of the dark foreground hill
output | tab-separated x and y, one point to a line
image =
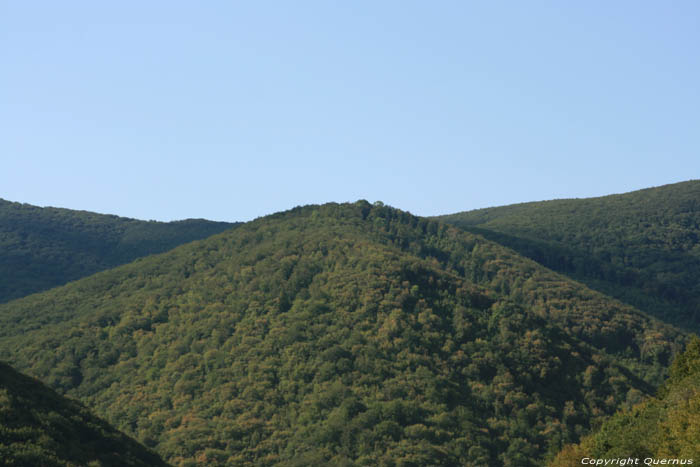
664	427
41	248
40	428
341	335
641	247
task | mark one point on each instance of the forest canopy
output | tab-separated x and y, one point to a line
666	426
351	334
40	428
642	248
41	248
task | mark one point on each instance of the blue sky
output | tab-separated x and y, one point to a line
232	110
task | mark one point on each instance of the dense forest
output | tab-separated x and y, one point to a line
350	334
640	247
663	427
41	248
40	428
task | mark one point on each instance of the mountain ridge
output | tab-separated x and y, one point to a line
271	320
640	247
41	248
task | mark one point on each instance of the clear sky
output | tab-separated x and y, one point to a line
232	110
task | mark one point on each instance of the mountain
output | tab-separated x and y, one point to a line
40	428
351	334
664	427
641	247
41	248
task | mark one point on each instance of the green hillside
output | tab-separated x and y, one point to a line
40	428
664	427
341	335
41	248
641	247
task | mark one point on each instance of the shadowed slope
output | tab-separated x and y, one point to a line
40	428
641	247
41	248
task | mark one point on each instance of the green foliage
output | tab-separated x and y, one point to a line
687	363
340	335
41	248
40	428
641	247
663	427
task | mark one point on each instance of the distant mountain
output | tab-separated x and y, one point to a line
341	335
40	428
641	247
664	427
41	248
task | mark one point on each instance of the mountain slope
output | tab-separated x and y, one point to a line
642	247
41	248
351	334
663	427
39	427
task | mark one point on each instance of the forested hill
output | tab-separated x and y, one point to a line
41	248
340	335
642	247
667	426
40	428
